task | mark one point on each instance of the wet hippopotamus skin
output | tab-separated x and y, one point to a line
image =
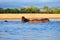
35	20
23	19
39	20
5	21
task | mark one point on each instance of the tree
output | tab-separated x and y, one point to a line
46	8
56	10
30	9
33	9
8	10
16	10
22	10
1	10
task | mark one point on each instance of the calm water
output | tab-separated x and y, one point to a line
15	30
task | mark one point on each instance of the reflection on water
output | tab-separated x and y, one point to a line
15	30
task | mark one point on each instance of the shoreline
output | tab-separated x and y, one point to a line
20	20
29	16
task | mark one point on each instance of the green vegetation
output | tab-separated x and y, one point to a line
31	9
48	10
8	10
2	10
56	10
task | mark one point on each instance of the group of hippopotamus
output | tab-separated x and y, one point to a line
23	19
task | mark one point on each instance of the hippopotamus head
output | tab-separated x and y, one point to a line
23	19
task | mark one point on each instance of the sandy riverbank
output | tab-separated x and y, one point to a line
18	16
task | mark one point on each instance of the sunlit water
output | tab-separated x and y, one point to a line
16	30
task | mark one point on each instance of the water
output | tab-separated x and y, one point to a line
16	30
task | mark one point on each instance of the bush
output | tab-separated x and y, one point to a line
56	10
2	10
30	10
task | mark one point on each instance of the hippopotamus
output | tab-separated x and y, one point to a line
5	21
23	19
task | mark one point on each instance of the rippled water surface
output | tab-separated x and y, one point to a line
16	30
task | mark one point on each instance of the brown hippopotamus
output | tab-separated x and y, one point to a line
23	19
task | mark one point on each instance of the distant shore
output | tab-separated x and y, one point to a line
30	16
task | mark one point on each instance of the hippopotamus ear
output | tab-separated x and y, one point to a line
23	17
